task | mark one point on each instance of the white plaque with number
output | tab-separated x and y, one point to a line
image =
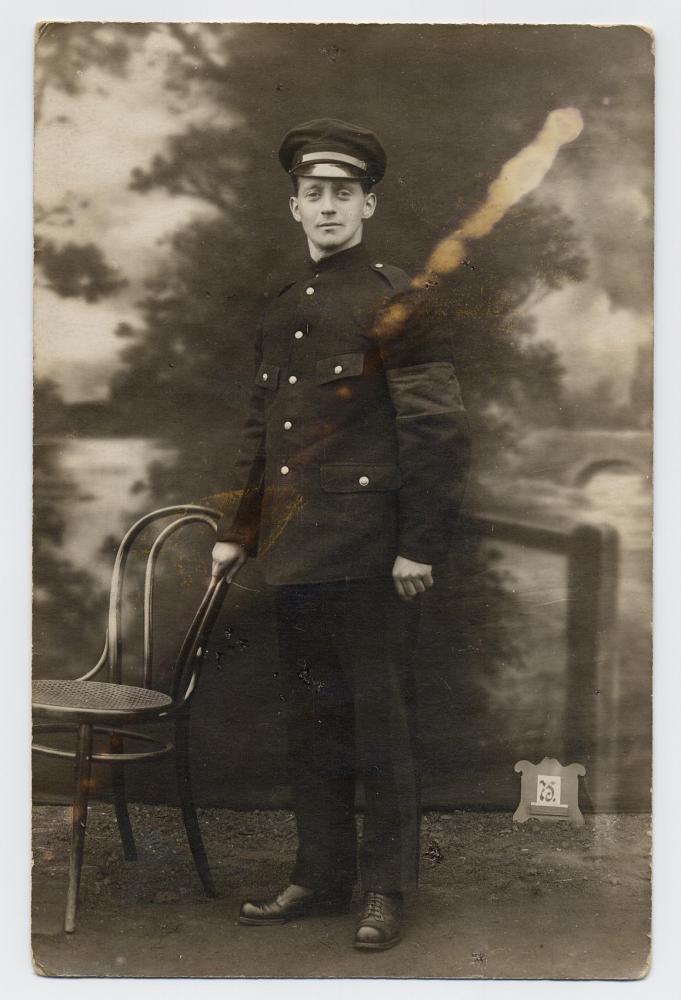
549	790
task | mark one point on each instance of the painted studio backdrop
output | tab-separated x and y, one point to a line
162	217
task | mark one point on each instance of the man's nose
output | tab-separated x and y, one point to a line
327	206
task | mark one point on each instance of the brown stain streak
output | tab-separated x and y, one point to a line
518	177
223	499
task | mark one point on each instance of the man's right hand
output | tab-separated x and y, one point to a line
228	558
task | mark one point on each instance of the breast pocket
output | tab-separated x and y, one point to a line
340	366
267	376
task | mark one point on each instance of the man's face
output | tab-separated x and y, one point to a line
331	212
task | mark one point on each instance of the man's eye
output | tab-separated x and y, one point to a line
311	195
343	193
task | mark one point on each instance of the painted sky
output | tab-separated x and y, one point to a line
597	325
89	166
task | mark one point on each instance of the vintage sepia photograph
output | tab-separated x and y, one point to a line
342	564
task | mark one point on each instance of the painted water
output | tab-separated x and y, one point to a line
109	477
109	491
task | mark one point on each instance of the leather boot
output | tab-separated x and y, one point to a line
380	922
295	901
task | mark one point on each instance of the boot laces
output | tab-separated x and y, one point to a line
375	904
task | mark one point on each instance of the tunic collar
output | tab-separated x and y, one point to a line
304	270
344	258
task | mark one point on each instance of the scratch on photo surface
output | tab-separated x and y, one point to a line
293	508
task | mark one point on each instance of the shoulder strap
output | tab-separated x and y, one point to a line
395	276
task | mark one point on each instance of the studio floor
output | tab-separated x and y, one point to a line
496	900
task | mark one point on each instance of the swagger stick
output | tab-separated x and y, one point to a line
517	178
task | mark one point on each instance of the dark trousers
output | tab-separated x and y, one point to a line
345	651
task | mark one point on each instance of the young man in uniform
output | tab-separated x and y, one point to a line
353	457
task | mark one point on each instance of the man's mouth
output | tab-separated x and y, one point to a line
328	225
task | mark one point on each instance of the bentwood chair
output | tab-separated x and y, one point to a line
84	705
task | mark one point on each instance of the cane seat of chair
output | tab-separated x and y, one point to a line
85	706
76	701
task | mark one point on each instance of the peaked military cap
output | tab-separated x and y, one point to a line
328	147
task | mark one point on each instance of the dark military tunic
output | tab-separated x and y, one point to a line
355	447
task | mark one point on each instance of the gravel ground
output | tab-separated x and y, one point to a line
496	900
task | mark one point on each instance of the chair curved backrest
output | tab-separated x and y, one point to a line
192	650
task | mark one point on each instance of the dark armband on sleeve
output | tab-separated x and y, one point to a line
434	444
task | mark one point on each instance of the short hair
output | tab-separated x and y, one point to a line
366	182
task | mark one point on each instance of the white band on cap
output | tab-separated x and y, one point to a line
333	158
330	171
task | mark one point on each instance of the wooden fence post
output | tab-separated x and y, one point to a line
590	728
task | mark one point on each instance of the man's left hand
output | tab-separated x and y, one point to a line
411	578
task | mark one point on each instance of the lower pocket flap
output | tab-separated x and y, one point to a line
359	478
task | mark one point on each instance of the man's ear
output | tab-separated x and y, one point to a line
369	205
295	210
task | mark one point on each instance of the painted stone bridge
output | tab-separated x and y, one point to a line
573	457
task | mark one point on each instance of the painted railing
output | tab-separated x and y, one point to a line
590	721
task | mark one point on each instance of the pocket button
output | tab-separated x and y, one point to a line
363	480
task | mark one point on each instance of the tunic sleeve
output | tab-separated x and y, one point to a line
243	525
432	432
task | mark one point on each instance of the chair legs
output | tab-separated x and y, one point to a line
120	802
80	800
184	787
80	808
